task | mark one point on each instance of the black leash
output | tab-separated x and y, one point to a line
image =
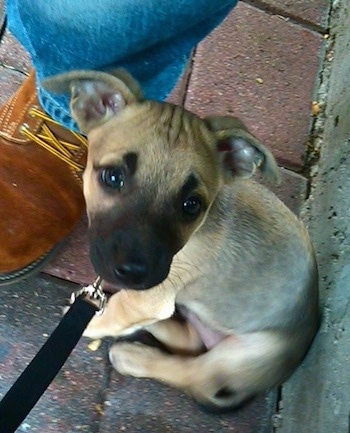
32	383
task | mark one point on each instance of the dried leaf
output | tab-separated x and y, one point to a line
94	345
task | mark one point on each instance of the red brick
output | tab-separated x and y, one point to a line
252	45
73	263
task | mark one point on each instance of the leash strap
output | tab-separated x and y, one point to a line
32	383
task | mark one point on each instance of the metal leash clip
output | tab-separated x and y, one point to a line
93	292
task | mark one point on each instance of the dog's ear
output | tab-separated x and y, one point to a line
95	96
241	153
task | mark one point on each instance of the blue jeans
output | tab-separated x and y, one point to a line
152	39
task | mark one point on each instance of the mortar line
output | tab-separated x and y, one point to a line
277	409
312	154
102	396
2	28
13	69
188	76
289	17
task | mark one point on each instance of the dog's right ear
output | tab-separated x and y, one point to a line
95	96
240	152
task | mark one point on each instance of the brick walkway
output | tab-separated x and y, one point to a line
262	65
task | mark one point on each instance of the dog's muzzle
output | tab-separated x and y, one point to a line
130	263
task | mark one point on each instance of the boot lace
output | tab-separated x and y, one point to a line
46	139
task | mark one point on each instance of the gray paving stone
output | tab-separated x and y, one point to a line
138	405
13	55
29	313
10	80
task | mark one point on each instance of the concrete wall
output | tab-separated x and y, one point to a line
317	398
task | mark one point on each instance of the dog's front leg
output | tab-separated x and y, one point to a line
129	310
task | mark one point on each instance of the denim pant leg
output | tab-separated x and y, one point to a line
152	39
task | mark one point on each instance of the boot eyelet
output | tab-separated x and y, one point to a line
23	128
31	111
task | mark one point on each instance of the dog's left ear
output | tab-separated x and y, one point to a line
95	96
240	152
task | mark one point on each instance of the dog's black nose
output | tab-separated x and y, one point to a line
131	273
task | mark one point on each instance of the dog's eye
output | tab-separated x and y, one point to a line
112	177
192	206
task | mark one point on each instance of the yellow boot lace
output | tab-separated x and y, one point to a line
45	138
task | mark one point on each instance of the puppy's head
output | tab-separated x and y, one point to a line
152	174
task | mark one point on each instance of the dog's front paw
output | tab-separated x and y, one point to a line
133	359
96	329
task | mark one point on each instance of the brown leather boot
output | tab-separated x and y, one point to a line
40	184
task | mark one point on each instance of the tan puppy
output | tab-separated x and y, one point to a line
176	223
